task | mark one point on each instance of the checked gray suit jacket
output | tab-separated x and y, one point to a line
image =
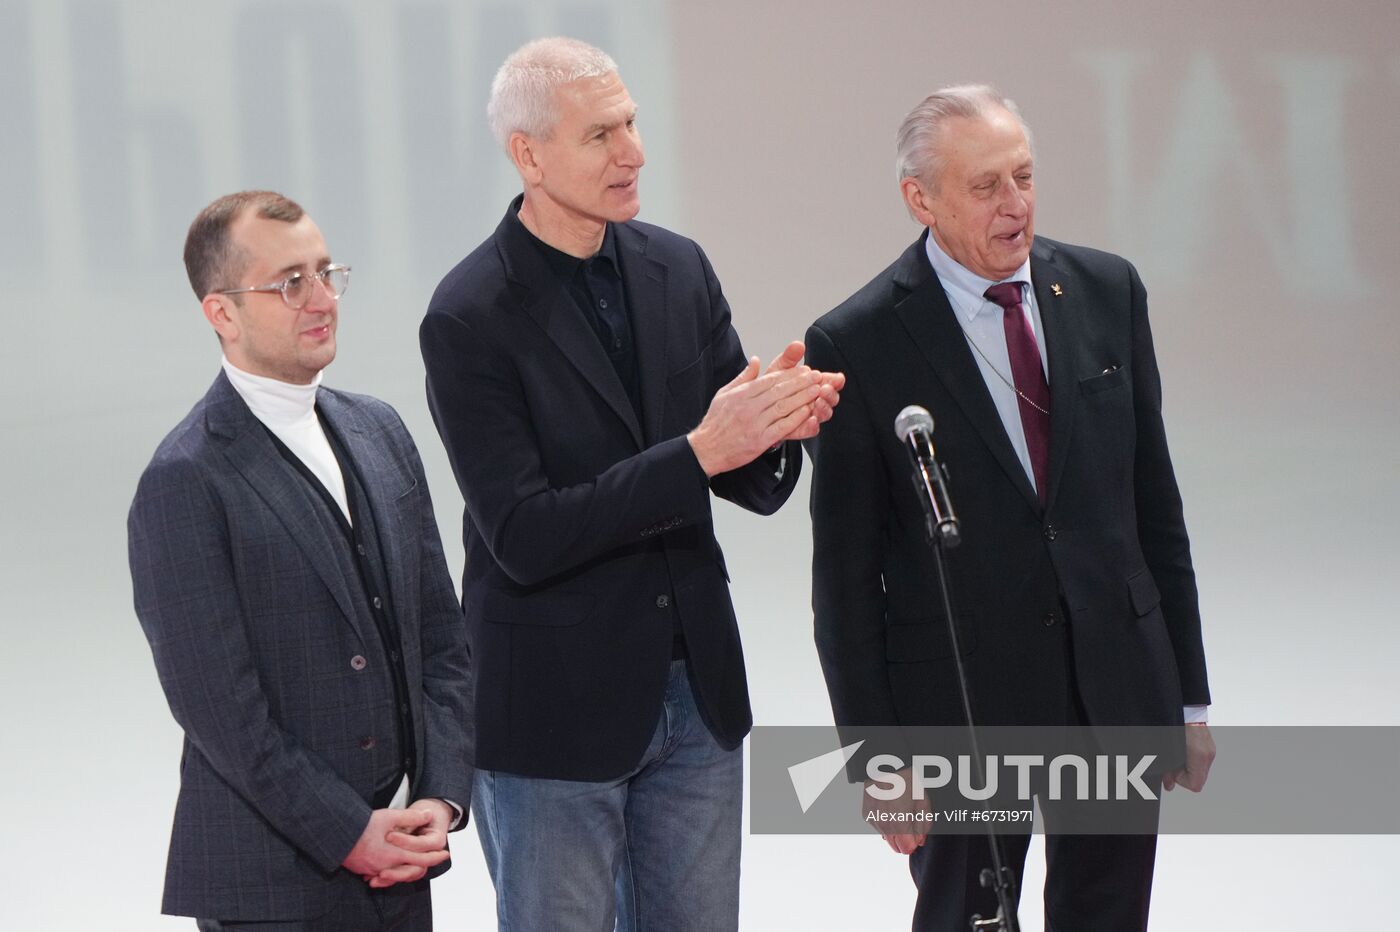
271	662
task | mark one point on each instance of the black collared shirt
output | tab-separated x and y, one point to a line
595	284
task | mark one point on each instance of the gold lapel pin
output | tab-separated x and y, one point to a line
1057	289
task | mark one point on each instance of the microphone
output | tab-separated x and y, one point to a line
914	428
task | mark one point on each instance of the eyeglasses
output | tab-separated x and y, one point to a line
296	288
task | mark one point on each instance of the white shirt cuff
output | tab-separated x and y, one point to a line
457	814
782	460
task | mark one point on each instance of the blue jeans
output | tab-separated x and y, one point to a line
656	850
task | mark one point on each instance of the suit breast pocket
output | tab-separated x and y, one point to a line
1112	377
689	386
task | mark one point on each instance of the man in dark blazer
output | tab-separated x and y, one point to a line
1073	589
591	392
289	577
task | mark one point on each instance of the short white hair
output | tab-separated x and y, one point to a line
919	143
523	92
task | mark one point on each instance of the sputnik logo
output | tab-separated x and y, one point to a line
811	777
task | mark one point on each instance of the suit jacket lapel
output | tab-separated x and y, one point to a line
645	282
549	304
1060	315
251	452
929	318
385	481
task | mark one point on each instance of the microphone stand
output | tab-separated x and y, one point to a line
998	877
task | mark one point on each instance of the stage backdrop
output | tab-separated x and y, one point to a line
1242	154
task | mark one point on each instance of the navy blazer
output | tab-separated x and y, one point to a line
586	528
271	664
1110	545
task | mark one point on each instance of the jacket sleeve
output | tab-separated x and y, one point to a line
1160	519
189	607
448	725
849	503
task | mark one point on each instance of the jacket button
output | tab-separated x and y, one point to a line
367	743
377	602
1050	532
358	663
1050	619
663	601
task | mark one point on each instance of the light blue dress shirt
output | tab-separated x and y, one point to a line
981	322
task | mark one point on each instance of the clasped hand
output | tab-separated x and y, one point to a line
754	413
400	845
894	818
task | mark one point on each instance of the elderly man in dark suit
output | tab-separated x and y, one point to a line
1073	588
289	577
592	393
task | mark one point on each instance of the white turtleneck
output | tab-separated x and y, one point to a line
289	411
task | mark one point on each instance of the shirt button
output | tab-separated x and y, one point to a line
377	603
403	707
1050	532
360	549
357	662
394	656
663	601
1050	620
602	302
367	743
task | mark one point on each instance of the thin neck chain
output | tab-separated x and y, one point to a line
1009	384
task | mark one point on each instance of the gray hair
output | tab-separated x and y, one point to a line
523	92
918	145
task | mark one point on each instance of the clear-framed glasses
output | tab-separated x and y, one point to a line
296	288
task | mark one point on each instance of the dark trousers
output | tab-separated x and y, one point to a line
1093	883
400	908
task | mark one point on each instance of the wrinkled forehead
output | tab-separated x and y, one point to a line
988	142
601	99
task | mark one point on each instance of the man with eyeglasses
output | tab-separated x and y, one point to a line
288	574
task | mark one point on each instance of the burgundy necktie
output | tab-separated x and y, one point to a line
1033	393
